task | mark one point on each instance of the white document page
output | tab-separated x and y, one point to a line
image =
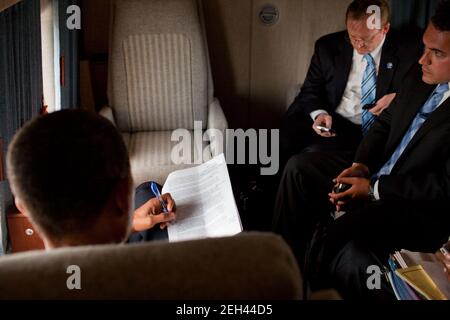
205	202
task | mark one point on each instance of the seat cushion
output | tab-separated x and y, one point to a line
150	155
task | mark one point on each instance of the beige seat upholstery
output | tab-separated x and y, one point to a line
159	81
249	266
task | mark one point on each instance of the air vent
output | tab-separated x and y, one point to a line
269	15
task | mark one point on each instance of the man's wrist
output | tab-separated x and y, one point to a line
373	191
317	113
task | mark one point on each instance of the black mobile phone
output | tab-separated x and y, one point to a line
368	106
341	187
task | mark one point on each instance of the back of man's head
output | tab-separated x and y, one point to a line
357	10
64	167
441	19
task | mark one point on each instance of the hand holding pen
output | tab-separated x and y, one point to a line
167	209
155	190
157	211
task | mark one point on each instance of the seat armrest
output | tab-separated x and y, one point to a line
107	113
292	93
216	117
216	129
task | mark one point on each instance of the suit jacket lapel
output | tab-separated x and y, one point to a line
405	117
388	65
343	64
442	114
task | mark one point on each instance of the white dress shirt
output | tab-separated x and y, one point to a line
375	186
350	106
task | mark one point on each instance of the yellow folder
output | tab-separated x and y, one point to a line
419	279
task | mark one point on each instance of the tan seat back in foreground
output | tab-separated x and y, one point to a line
248	266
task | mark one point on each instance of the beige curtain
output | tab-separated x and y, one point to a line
7	3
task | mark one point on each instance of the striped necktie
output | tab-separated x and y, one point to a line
423	114
368	92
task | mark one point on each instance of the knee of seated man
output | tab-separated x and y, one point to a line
302	163
348	270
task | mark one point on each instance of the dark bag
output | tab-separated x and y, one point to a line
314	262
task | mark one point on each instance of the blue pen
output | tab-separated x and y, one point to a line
157	194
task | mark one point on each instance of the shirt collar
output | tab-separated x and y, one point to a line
376	53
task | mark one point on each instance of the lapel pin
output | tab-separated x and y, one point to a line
390	65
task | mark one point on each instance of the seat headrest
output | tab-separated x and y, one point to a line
248	266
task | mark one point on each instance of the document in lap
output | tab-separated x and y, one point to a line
205	203
424	273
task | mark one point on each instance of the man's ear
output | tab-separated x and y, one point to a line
20	206
122	197
386	28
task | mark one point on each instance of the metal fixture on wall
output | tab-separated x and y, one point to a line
269	15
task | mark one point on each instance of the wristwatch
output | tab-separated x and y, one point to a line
371	193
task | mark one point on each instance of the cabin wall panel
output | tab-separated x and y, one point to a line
253	65
281	53
228	26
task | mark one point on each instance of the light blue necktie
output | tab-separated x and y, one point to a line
423	114
368	92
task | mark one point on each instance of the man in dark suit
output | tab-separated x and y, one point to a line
399	194
332	95
361	66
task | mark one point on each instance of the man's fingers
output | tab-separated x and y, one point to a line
377	109
345	173
170	203
317	130
163	225
328	121
346	180
160	218
342	195
323	133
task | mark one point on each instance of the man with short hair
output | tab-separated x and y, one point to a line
363	66
70	174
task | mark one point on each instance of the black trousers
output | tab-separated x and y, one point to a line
143	194
302	199
310	164
351	272
367	235
381	227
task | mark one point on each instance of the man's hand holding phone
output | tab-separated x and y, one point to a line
378	107
322	125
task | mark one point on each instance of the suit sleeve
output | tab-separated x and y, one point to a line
373	145
427	186
313	94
